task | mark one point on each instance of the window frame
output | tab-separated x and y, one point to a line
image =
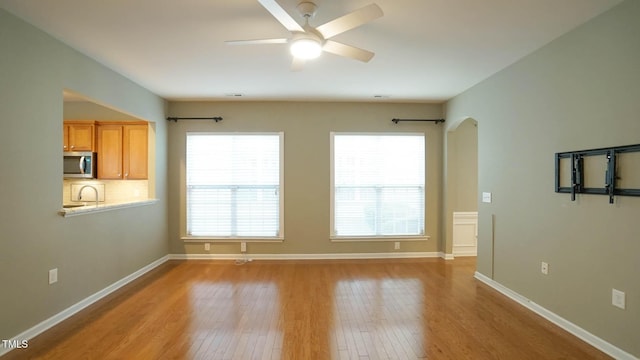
384	238
234	238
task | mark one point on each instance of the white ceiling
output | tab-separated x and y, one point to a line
426	50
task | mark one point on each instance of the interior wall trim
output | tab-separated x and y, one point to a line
461	251
556	319
82	304
446	256
465	233
337	256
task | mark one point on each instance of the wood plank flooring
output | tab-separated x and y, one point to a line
364	309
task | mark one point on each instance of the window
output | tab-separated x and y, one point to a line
234	185
377	185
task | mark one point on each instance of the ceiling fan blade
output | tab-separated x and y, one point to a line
282	16
257	41
347	51
350	21
297	64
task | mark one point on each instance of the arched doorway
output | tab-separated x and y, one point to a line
461	205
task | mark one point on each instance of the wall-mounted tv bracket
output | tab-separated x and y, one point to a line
577	172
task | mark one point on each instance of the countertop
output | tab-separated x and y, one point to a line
92	208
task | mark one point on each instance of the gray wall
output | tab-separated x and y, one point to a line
91	251
581	91
306	128
464	143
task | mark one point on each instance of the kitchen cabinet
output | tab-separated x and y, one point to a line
135	151
123	150
78	136
109	151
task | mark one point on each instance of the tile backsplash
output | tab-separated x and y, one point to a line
88	194
109	191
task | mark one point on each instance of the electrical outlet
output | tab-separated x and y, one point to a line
396	245
53	276
618	298
544	268
207	246
243	247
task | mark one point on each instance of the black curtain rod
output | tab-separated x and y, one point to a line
216	118
432	120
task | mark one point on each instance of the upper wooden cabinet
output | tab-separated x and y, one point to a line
122	150
78	136
134	151
109	151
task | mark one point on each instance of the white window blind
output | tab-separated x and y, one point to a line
378	185
234	185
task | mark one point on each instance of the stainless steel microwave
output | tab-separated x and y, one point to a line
79	165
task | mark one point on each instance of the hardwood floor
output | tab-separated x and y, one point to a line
365	309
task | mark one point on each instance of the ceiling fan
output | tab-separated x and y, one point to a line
307	42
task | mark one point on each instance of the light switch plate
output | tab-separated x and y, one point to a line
618	298
53	276
486	197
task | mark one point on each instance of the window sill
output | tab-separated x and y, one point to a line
379	238
208	239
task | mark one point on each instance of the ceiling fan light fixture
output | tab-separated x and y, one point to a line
308	42
306	48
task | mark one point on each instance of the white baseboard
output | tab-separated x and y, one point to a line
77	307
465	252
337	256
446	256
570	327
